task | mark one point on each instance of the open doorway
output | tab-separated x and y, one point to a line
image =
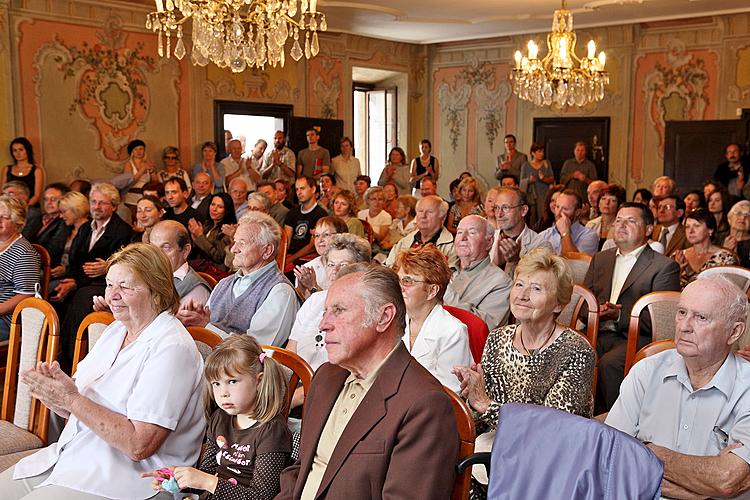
380	118
249	122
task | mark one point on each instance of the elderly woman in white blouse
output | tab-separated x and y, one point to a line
135	404
433	336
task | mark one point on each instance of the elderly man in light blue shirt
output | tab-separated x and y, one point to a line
567	235
691	405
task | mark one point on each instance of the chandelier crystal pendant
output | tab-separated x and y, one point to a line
238	34
561	78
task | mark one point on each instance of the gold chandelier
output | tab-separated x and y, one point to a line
561	77
238	33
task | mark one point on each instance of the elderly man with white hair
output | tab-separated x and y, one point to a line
691	405
478	285
257	299
431	212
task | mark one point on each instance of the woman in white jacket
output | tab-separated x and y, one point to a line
433	336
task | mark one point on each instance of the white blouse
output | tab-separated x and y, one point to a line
311	342
442	343
156	379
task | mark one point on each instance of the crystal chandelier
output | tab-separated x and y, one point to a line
238	33
561	77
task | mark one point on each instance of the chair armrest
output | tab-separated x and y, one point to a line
473	459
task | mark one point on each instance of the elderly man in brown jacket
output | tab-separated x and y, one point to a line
377	424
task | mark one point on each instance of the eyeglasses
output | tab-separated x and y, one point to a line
170	157
742	214
323	235
409	281
505	208
665	206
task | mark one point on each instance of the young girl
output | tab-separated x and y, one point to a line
247	443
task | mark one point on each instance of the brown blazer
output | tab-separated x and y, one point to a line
677	242
401	442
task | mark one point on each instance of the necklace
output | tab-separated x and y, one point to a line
533	352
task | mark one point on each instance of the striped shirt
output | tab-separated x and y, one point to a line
19	269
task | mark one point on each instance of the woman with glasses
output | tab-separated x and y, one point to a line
433	336
312	276
738	240
172	167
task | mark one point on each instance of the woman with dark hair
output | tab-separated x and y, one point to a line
643	196
209	241
700	226
423	166
694	199
210	166
718	205
535	180
396	171
608	204
24	169
172	167
547	217
142	169
149	212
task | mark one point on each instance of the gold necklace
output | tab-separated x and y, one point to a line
533	352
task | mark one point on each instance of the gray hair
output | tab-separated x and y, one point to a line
107	189
269	231
357	246
734	300
18	185
489	230
17	208
262	198
442	204
380	286
737	207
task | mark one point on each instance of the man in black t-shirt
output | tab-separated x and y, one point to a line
176	194
301	220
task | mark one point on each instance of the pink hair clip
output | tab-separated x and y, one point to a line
262	357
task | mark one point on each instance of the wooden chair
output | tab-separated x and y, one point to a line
738	275
467	435
209	279
369	232
570	314
301	371
89	331
46	264
281	254
662	306
478	330
579	265
654	347
34	337
205	339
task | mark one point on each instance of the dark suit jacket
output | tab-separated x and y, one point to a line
53	238
400	443
116	235
652	272
203	208
677	242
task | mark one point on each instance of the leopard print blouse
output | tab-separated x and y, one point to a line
560	376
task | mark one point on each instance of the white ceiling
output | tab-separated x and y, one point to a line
435	21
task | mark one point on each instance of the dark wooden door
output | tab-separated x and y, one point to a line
559	137
693	149
330	131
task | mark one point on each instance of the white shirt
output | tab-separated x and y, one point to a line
273	320
345	171
442	343
141	383
231	166
623	265
377	222
311	342
199	295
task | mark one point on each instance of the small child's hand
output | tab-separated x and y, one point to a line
190	477
159	476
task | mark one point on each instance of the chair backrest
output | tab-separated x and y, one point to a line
209	279
281	254
89	332
571	312
662	307
301	371
467	435
579	266
34	337
738	275
654	347
46	263
201	334
369	233
478	330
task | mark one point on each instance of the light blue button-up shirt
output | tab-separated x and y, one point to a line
585	240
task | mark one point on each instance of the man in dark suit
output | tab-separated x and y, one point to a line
377	424
669	231
200	199
92	246
619	277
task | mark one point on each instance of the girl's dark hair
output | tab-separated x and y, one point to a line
701	198
645	195
229	216
27	146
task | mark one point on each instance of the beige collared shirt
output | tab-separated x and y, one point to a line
350	397
623	265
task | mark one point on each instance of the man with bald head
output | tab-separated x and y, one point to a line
592	194
431	211
478	286
199	198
